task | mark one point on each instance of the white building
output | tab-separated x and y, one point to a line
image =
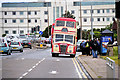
20	17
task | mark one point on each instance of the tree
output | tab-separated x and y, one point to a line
68	15
45	32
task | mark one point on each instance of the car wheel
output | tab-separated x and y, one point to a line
72	55
31	47
21	50
9	52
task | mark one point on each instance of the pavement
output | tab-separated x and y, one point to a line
96	67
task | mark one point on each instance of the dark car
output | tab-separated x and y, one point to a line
26	44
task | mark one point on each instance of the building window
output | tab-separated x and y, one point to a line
46	20
29	12
113	19
108	19
35	12
57	12
14	21
72	12
21	32
98	11
6	32
92	11
85	11
108	11
14	13
103	19
61	11
113	10
14	32
103	11
21	20
5	13
29	21
85	19
45	12
35	20
98	19
5	21
21	12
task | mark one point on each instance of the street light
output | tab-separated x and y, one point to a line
91	24
80	21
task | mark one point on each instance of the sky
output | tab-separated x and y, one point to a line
1	1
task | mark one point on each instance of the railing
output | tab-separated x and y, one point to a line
110	65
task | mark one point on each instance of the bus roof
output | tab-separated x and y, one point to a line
66	19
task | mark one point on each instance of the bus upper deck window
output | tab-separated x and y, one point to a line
60	23
70	24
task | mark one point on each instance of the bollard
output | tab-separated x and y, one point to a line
110	50
110	65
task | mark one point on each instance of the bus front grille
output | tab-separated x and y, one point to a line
63	48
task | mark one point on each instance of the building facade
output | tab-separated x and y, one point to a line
19	18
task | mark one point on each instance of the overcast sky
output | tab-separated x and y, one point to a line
1	1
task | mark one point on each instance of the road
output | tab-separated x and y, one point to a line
39	63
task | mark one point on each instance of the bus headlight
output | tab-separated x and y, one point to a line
70	49
56	48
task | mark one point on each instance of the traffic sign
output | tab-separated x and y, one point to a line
40	32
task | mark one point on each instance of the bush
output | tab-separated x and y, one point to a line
115	51
3	35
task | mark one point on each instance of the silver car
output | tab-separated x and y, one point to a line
16	46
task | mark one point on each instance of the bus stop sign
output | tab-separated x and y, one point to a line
40	32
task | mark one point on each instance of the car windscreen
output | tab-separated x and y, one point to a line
14	43
22	36
70	24
60	23
25	41
2	45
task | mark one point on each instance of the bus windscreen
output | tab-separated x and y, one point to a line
70	24
60	23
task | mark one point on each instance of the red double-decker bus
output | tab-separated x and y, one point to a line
64	37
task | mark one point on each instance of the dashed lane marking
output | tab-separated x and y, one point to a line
31	69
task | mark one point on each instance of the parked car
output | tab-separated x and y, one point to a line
16	46
4	47
26	44
78	44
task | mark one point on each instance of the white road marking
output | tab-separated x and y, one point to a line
25	74
53	72
23	58
57	60
31	69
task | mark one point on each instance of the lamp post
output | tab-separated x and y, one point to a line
48	19
80	21
91	24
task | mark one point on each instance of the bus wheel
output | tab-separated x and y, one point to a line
53	55
72	55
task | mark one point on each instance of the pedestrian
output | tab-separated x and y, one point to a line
98	47
83	47
87	47
94	48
